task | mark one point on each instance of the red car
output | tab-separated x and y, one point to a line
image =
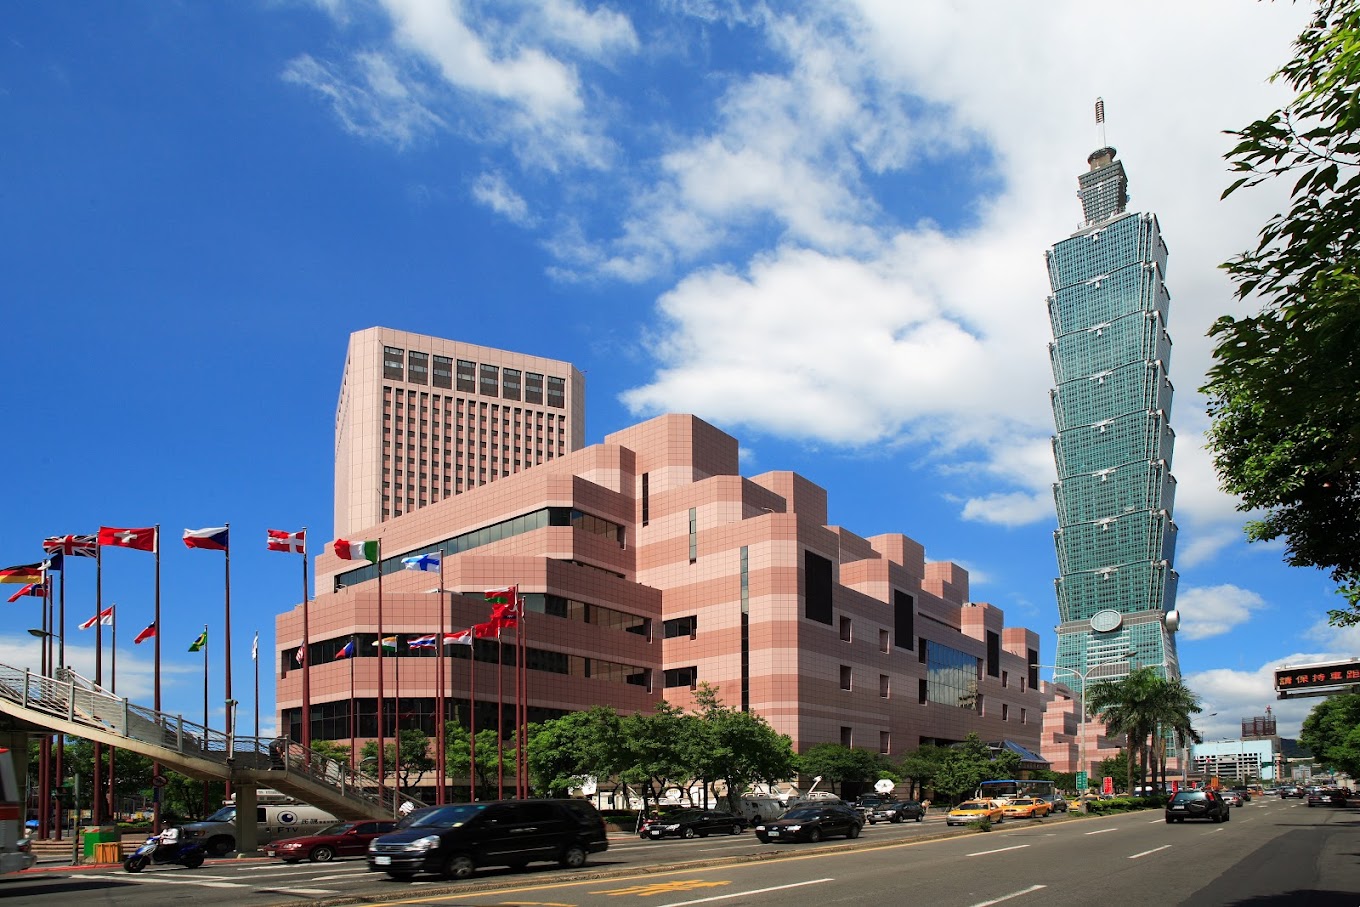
347	839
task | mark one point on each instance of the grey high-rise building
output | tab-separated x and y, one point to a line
1111	407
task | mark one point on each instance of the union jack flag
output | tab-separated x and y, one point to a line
72	545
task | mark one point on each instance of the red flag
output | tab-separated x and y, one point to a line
141	539
104	617
486	630
294	542
146	634
38	589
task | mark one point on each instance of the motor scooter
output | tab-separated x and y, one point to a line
155	850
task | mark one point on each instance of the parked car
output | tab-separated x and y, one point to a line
454	841
895	811
1027	808
811	823
867	803
973	811
1326	796
344	839
1233	797
691	823
1197	804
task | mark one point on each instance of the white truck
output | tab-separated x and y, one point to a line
14	844
276	815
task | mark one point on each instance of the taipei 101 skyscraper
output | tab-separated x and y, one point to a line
1111	400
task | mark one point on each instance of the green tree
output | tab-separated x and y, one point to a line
1146	707
923	766
737	748
654	748
838	764
564	751
333	749
1332	732
415	762
1284	393
1114	767
968	764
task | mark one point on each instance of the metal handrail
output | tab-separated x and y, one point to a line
76	699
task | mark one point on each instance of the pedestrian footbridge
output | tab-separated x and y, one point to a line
72	705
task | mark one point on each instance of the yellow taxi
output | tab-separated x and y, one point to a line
973	811
1027	808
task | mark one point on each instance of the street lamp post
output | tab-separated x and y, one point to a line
1081	718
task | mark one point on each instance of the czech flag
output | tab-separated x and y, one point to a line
213	538
346	652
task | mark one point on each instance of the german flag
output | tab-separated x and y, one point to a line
24	573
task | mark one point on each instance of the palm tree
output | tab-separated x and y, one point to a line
1145	706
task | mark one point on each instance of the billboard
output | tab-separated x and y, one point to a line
1312	677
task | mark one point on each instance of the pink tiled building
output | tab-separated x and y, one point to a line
649	565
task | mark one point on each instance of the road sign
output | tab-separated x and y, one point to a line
1081	782
159	781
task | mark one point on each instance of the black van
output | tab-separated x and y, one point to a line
455	840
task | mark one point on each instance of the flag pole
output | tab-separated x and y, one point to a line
472	714
61	667
113	688
156	766
439	772
45	744
500	716
353	739
255	657
522	697
396	721
226	638
97	798
205	714
306	665
381	742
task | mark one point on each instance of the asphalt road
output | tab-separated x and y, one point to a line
1271	854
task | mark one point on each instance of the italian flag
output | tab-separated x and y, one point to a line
356	551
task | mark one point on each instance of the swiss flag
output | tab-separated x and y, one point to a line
141	539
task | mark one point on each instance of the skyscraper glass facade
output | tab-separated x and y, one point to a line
1111	402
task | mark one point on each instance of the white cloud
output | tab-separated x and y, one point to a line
1244	694
1215	610
368	96
492	190
135	677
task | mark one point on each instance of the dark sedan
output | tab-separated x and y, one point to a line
1197	804
1326	796
695	823
896	811
811	823
347	839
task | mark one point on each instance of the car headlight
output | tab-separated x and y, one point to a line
428	842
671	827
760	828
288	845
373	845
794	827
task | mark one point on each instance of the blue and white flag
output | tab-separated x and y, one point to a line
422	562
421	642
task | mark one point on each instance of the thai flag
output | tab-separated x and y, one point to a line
421	642
213	539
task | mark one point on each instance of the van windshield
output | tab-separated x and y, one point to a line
447	817
225	814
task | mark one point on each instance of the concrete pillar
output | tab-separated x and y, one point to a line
247	826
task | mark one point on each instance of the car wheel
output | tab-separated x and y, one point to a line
194	861
459	866
762	839
321	854
920	816
1226	816
735	829
873	821
852	832
687	833
574	857
815	835
220	845
1169	820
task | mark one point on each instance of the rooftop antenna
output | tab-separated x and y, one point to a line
1100	119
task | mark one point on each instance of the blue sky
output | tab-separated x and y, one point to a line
819	226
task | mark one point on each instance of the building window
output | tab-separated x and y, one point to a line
392	363
816	588
1023	715
847	737
904	618
1005	679
883	689
443	371
953	677
533	387
693	535
921	691
845	629
418	367
510	384
491	380
1005	712
884	743
680	626
1033	668
557	392
646	499
883	640
980	710
847	677
993	654
467	376
682	677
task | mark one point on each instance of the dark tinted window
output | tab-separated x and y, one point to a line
817	588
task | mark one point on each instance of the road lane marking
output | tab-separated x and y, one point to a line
662	887
983	853
1101	831
203	882
1006	897
305	892
1146	852
740	894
